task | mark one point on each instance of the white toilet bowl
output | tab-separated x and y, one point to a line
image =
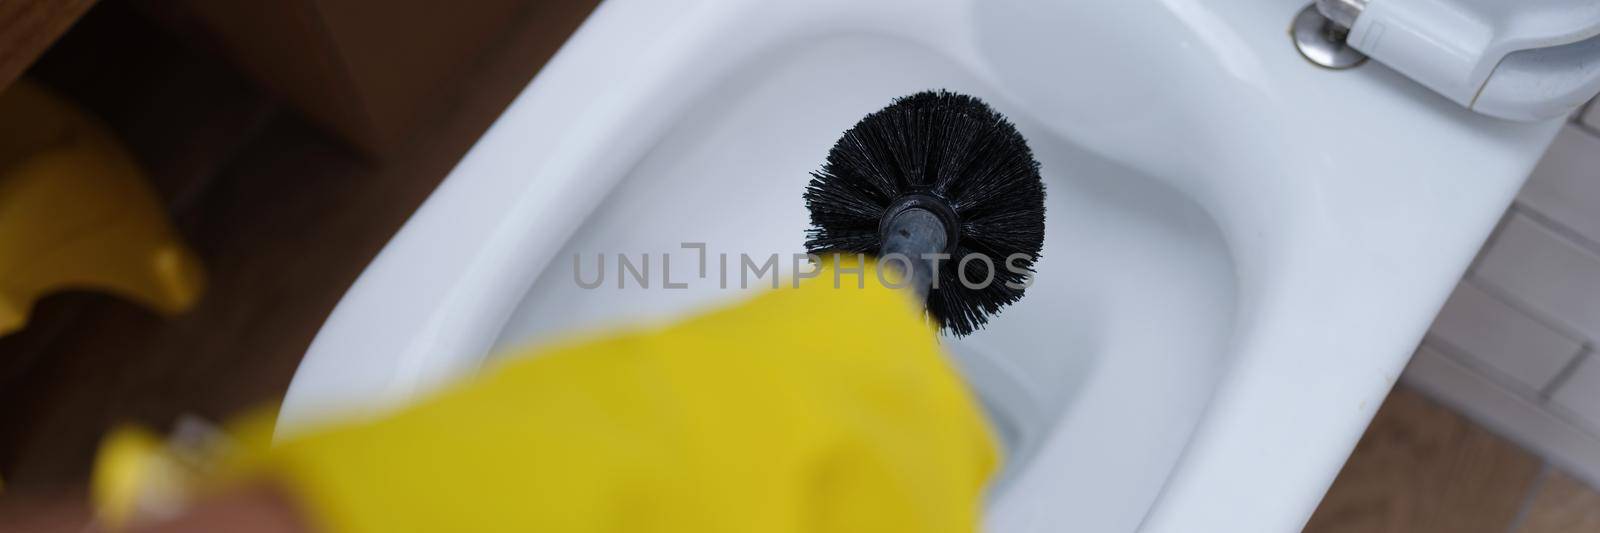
1241	251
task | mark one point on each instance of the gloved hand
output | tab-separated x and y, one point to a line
817	409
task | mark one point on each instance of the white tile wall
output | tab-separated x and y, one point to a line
1566	185
1515	347
1590	116
1580	394
1554	276
1485	329
1524	420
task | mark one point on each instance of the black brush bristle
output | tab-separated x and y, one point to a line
957	149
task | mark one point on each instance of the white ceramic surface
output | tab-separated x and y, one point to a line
1242	249
1516	60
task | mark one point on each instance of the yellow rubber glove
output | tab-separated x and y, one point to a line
76	212
816	409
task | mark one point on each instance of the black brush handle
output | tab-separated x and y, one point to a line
911	237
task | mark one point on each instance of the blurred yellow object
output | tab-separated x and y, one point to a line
76	212
817	409
138	476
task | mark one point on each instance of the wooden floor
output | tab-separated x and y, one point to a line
1422	468
286	217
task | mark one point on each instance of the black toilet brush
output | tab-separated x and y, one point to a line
933	179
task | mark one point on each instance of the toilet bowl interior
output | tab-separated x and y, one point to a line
1094	380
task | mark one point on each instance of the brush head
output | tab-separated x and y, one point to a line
952	155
